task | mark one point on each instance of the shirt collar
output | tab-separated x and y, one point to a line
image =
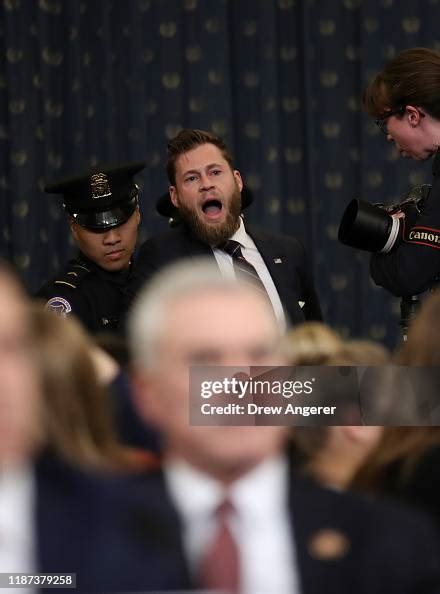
197	494
16	501
242	237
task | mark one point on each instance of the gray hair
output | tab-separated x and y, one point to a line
187	277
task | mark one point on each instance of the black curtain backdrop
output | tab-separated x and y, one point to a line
87	81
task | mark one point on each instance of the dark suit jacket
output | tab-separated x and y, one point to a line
94	295
419	488
85	524
389	550
284	257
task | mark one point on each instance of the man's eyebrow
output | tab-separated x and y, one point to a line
210	166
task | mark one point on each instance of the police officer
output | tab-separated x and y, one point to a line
405	100
103	212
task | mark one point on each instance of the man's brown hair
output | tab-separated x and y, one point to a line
189	139
411	78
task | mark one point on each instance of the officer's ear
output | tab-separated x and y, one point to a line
138	216
73	228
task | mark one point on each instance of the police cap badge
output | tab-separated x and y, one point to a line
102	198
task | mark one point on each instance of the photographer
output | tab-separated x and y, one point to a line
405	100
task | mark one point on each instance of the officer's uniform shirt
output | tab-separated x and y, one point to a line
84	289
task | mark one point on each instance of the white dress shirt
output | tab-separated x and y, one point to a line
17	538
253	256
261	524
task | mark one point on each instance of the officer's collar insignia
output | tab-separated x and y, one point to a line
100	186
328	545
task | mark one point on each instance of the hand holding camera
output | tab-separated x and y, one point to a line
379	227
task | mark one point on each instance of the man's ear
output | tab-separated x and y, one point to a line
238	179
173	195
143	397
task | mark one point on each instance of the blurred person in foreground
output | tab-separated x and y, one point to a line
241	519
404	464
406	461
423	345
77	412
205	189
56	516
404	99
333	454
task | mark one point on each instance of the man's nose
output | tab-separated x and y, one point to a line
205	182
111	237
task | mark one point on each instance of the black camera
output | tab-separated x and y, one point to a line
377	227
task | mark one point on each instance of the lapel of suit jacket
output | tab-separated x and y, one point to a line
279	263
159	529
315	511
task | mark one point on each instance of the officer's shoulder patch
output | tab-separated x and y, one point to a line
423	236
60	306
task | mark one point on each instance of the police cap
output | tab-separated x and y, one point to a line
102	198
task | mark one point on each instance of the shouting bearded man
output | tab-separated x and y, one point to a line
206	191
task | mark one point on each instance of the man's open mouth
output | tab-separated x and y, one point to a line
212	208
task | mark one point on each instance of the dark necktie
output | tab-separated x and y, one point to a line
243	269
220	564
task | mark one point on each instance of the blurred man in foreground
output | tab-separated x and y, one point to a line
246	522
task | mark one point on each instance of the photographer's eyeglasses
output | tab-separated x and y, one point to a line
381	123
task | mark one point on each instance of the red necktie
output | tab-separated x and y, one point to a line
220	567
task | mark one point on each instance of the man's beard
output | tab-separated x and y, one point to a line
215	233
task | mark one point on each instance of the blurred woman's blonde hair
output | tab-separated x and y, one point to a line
314	343
407	445
310	343
77	417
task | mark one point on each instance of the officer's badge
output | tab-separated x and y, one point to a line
60	306
99	185
328	545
